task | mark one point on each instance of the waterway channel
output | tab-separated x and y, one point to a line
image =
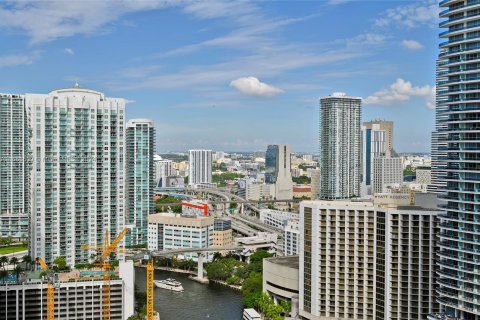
197	302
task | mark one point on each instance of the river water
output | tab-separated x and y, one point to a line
197	302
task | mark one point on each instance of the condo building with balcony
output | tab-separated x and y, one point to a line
458	116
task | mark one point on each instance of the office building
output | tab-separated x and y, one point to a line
78	174
366	260
458	109
277	170
199	166
140	147
222	233
340	139
163	168
386	172
171	231
15	162
76	296
291	237
377	141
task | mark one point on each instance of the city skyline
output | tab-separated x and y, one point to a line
382	56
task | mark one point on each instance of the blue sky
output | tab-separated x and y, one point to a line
232	76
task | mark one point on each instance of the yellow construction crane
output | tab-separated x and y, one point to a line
104	262
150	277
50	291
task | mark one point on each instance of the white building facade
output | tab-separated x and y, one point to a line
386	171
163	168
278	170
78	175
277	218
291	238
172	231
199	166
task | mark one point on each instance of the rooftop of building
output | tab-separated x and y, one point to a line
289	261
339	95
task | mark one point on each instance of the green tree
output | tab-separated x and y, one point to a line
3	275
61	263
28	262
3	261
233	205
18	270
13	261
252	284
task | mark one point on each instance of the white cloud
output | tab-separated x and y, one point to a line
410	16
62	19
253	87
18	59
69	51
411	45
401	91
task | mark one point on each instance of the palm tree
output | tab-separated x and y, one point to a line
14	261
17	271
3	275
3	261
28	262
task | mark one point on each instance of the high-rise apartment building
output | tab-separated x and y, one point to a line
277	170
440	136
377	141
458	107
163	168
359	260
340	139
15	160
78	176
199	166
140	148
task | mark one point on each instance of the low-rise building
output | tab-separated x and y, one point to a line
172	231
263	240
280	278
195	208
222	233
76	297
277	218
302	192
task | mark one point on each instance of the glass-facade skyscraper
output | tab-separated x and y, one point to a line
140	139
340	139
14	167
458	109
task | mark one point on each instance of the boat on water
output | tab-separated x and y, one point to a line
169	284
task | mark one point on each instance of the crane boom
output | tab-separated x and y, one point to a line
150	277
50	291
108	249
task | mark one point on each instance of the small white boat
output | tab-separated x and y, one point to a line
169	284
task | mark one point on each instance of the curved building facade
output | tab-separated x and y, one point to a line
458	110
